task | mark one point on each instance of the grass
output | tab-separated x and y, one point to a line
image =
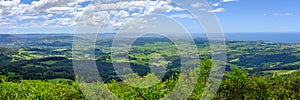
281	72
41	90
236	86
51	62
60	80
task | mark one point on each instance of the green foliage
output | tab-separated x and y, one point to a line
125	91
237	85
41	90
205	66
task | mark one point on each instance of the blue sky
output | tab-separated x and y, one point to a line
62	16
261	16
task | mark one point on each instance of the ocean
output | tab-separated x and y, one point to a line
267	37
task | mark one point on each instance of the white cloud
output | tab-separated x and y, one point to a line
282	14
28	17
44	4
94	18
12	8
216	4
43	9
196	5
136	15
181	16
203	8
120	13
11	3
58	13
288	14
229	0
279	14
59	22
147	6
59	10
75	2
47	16
178	9
4	23
217	10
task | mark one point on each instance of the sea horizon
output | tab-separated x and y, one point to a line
274	37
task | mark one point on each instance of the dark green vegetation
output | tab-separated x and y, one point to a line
237	85
264	70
